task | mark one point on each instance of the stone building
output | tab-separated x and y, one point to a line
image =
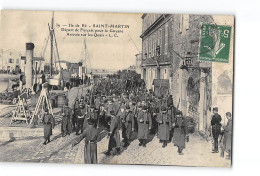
170	45
156	61
10	60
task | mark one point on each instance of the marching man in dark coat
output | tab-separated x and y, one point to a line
144	125
80	118
216	128
127	125
48	125
164	126
92	135
180	132
114	135
66	125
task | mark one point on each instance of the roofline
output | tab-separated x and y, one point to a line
163	16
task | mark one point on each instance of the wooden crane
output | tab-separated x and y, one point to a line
43	102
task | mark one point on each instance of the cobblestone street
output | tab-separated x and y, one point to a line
31	149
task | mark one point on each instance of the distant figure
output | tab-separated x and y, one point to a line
48	125
43	78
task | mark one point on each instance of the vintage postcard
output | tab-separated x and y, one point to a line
116	88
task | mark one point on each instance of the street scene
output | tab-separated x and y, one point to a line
109	88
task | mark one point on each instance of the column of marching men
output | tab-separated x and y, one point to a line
110	107
107	109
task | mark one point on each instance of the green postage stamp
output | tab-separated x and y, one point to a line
215	43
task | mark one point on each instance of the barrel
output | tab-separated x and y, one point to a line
61	100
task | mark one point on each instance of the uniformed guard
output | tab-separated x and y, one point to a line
216	128
48	125
92	135
180	132
66	125
144	125
164	126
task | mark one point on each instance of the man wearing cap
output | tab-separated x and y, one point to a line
75	113
92	135
114	135
128	124
80	118
216	128
144	125
66	125
48	125
164	126
97	102
90	115
110	107
180	132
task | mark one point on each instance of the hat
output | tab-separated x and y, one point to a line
112	112
163	108
127	107
178	112
144	107
215	109
92	106
91	121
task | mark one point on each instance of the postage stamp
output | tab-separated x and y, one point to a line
215	43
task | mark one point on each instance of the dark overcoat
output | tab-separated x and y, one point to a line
179	132
92	135
48	124
66	124
114	140
144	123
127	124
227	136
164	126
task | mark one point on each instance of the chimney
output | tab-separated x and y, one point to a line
29	65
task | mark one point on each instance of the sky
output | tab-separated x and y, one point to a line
19	27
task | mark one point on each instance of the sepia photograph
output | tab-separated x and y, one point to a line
116	88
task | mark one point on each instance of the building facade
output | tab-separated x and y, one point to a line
156	62
170	45
10	60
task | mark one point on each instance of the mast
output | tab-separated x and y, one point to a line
85	55
51	37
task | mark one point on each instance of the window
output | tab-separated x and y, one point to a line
17	61
184	23
166	38
10	60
